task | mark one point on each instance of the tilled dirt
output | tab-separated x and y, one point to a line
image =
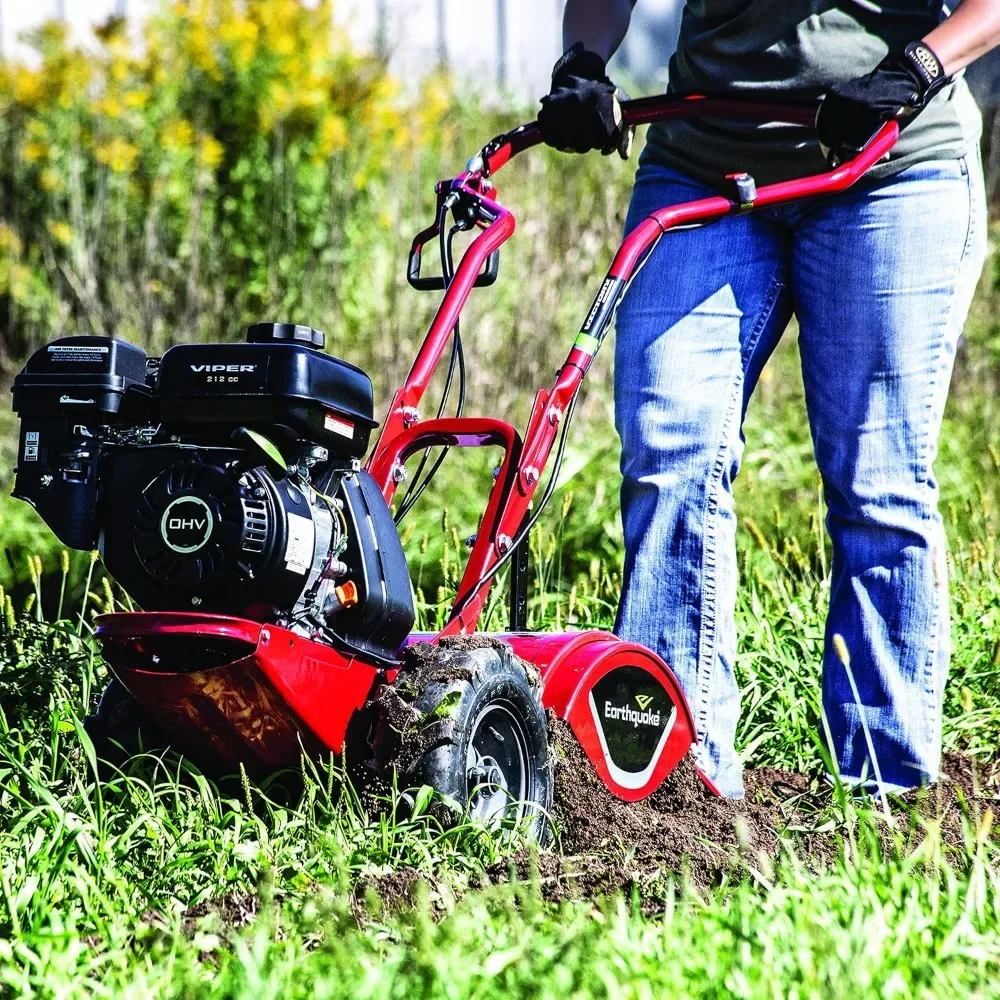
681	821
606	845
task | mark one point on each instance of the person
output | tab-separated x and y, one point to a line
880	278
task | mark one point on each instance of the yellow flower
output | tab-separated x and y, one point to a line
10	242
33	151
109	106
177	135
435	100
50	180
28	89
136	99
333	134
210	152
240	36
61	232
118	154
202	51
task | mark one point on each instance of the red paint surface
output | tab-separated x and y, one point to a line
254	709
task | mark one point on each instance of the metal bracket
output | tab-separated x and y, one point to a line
746	190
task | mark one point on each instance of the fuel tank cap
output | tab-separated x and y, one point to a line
289	333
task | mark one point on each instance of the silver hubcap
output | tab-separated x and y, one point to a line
496	765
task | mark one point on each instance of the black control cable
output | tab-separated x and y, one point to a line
418	485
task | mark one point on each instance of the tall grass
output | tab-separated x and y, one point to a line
159	881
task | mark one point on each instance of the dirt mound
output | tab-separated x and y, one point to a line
606	845
378	895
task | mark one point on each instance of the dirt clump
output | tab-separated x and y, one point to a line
235	909
681	827
377	895
968	786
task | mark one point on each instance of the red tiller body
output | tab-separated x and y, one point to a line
236	691
270	694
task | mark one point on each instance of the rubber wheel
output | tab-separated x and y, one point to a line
465	717
119	728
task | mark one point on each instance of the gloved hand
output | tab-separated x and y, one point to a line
581	112
899	88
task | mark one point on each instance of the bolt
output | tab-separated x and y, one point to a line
398	473
265	635
503	543
46	481
531	475
410	415
555	415
258	492
196	601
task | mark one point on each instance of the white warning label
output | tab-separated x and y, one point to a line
338	425
301	540
78	353
31	446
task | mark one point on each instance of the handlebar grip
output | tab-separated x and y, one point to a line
436	283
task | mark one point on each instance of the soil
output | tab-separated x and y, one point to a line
606	845
378	895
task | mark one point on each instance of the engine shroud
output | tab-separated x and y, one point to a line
196	528
220	478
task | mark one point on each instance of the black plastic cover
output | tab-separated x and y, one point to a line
284	384
384	614
79	376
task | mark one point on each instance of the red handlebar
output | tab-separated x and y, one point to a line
472	195
665	107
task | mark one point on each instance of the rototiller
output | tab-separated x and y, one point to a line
224	487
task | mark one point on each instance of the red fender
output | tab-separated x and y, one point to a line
258	694
622	702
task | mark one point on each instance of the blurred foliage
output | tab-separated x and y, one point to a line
174	189
243	163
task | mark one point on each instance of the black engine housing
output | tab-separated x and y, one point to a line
195	528
220	478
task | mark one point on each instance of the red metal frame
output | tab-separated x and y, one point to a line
263	691
525	461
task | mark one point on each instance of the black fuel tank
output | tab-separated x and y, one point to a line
273	381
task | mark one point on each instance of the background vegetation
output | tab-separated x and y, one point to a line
244	164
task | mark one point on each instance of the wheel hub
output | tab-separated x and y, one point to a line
497	765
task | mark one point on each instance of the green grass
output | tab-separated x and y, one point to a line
129	887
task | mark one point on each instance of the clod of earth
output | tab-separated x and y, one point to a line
606	845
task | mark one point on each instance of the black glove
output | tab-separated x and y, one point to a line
581	112
898	89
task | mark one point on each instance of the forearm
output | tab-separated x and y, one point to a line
969	33
599	24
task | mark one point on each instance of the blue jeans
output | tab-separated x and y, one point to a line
881	278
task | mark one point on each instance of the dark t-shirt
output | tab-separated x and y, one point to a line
800	48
